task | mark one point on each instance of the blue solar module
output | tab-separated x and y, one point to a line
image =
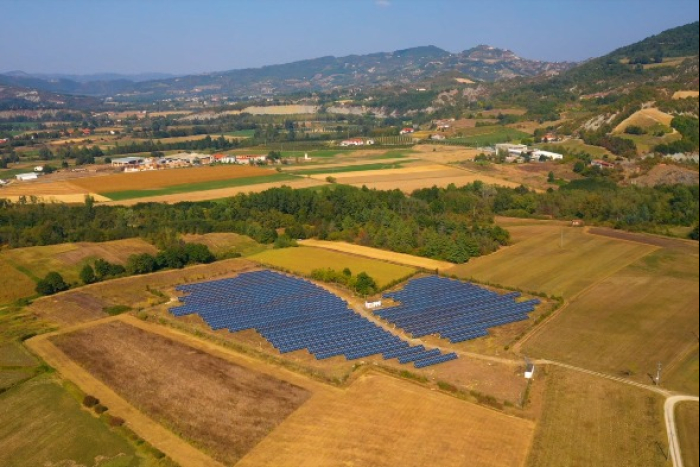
295	314
457	311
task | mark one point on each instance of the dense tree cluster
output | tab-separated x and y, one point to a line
689	129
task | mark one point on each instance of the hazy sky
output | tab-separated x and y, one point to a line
186	36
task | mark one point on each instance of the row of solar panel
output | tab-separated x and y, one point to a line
455	310
293	314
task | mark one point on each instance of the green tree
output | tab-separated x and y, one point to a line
551	178
365	285
141	264
51	284
87	274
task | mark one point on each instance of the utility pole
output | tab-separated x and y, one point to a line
658	375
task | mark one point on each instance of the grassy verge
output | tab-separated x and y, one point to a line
350	168
687	420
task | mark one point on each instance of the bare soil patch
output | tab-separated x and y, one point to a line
668	175
685	94
222	407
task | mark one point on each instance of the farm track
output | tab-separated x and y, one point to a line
674	448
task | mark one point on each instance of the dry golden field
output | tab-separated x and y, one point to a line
383	255
685	94
593	422
645	118
629	321
383	422
57	191
542	262
688	431
167	178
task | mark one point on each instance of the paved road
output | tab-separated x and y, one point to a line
674	448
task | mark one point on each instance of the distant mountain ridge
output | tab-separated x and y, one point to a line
321	74
92	77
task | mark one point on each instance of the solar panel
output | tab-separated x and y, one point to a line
294	314
455	310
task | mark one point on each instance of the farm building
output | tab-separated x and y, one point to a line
407	131
602	164
438	137
128	162
512	149
539	154
27	176
353	142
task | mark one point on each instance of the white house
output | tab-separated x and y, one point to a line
27	176
529	370
555	156
513	149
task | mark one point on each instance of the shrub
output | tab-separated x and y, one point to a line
100	409
51	284
90	401
116	421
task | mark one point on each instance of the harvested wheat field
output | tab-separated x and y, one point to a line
413	178
167	178
376	253
645	118
48	192
200	396
685	94
366	426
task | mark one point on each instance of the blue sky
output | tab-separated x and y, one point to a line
184	36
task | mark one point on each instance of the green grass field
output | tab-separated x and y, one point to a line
203	186
593	422
304	260
541	263
484	136
643	314
349	168
41	424
688	430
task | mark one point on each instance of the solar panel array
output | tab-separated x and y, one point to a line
294	314
455	310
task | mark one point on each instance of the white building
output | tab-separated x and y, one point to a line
555	156
27	176
513	149
127	162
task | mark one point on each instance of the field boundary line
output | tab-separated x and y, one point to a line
152	432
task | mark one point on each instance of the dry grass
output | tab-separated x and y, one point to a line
594	422
196	394
48	192
14	355
383	255
88	303
281	110
383	422
167	178
304	260
414	178
645	118
684	377
685	94
643	314
688	430
542	263
68	258
14	284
